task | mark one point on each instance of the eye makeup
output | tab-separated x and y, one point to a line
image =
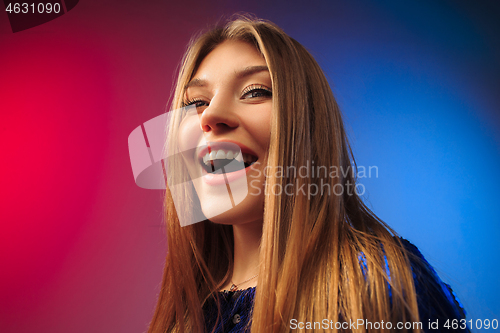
252	91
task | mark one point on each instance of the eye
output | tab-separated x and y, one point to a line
198	102
256	91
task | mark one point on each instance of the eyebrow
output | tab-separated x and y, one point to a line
196	83
247	71
251	70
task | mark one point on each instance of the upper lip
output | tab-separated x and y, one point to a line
225	145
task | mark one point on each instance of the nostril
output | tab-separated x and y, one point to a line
205	128
220	126
218	118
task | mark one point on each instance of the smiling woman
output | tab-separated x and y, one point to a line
254	101
232	94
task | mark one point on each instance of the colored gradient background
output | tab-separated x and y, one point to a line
82	247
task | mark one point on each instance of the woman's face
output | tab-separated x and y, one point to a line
231	91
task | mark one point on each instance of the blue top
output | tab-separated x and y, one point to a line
235	307
436	302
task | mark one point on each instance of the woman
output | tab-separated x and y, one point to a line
292	250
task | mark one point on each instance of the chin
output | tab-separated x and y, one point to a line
247	202
248	210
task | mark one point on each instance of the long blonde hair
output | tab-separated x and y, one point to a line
322	257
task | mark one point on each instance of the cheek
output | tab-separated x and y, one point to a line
189	135
261	128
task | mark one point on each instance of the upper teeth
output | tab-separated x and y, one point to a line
229	155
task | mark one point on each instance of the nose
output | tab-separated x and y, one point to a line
219	117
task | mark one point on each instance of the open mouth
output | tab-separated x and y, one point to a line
226	160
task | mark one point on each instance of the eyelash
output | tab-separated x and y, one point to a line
267	92
257	87
194	101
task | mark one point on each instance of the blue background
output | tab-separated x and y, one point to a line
418	84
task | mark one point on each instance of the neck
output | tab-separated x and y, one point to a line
246	253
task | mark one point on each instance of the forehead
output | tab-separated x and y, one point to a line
228	58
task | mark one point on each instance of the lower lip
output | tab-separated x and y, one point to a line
223	178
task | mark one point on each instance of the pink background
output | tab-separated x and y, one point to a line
81	246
